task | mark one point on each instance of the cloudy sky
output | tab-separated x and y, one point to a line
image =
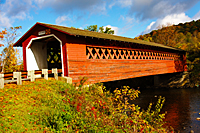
128	18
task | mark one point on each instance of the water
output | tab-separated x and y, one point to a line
182	106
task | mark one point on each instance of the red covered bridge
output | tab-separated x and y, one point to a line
100	57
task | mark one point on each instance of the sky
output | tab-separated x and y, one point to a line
128	18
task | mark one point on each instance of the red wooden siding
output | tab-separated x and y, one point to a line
102	70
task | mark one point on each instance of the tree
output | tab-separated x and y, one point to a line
167	35
9	54
92	28
101	29
2	33
10	62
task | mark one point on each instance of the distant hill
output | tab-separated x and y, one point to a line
179	36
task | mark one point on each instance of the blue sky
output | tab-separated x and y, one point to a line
128	18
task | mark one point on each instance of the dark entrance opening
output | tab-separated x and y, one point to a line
54	55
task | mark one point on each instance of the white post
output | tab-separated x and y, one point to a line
18	76
67	80
54	70
31	75
1	81
45	72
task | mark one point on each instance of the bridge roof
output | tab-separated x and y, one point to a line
86	33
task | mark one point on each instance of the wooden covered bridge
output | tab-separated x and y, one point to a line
100	57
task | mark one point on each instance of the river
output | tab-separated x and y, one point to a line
182	106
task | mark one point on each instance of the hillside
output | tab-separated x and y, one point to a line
179	36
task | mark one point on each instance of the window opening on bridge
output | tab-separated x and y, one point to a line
127	54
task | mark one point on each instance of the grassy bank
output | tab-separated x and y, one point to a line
54	106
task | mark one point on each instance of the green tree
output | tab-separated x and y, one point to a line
92	28
101	29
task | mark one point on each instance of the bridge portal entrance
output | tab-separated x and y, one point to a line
44	53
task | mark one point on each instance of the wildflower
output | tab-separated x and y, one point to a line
68	100
78	107
141	130
93	108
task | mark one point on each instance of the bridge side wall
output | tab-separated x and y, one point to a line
101	69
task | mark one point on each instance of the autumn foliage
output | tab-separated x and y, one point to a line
9	60
179	36
2	33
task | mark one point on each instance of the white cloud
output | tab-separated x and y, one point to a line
154	9
173	19
149	28
17	8
66	6
197	16
21	15
129	22
100	8
127	19
4	21
123	3
62	19
12	10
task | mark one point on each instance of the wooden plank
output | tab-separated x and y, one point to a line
108	70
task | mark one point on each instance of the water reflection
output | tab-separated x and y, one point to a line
182	106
